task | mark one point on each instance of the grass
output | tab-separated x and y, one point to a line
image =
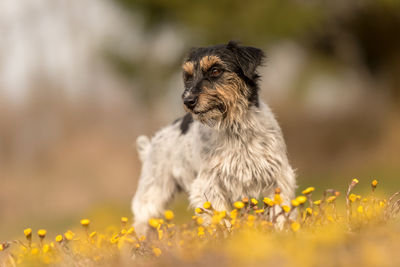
337	229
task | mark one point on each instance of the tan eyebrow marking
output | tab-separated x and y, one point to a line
207	61
188	67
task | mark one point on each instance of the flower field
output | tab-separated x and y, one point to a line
336	229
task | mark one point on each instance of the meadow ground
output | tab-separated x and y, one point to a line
336	229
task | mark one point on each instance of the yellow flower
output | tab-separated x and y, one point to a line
234	213
28	232
238	205
42	233
207	205
301	199
154	223
309	211
295	226
93	234
199	220
259	211
268	201
354	181
59	238
308	190
254	202
374	183
317	202
85	222
2	247
169	215
45	248
157	252
130	231
360	209
286	208
199	210
331	199
69	235
124	220
277	199
352	197
295	203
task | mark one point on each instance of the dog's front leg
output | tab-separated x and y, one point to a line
155	190
206	187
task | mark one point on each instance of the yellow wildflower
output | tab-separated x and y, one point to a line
207	205
59	238
301	199
331	199
317	202
42	233
352	197
308	190
278	199
2	247
295	203
93	234
157	252
85	222
69	235
309	211
154	223
254	202
199	220
238	205
295	226
199	210
130	231
268	201
28	232
45	248
286	208
360	209
169	215
259	211
374	183
124	220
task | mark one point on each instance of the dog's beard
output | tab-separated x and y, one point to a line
210	116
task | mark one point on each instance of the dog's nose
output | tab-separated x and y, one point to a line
190	101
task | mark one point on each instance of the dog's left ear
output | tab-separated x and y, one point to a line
249	58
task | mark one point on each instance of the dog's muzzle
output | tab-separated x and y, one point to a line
190	101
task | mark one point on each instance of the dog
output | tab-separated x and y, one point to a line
228	145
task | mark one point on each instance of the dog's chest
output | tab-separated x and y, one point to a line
241	168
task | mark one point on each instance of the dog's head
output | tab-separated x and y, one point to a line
221	82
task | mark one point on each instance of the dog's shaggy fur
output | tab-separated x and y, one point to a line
228	146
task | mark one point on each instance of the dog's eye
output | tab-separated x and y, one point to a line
215	72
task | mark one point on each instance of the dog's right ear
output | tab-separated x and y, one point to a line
248	58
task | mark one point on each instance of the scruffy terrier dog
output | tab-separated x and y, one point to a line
228	145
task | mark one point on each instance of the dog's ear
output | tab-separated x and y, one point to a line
248	58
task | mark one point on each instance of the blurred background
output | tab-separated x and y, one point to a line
80	80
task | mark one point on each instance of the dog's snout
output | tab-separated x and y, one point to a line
190	101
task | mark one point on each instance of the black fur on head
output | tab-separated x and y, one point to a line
221	82
243	60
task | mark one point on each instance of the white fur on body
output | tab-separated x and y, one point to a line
216	165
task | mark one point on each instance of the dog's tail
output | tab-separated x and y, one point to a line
143	146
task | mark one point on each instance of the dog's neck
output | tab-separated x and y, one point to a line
244	124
